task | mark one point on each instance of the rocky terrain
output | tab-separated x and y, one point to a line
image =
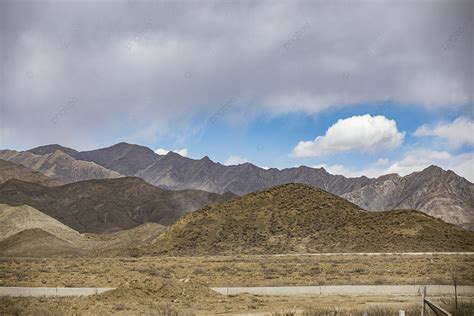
59	165
123	158
436	192
108	205
10	170
296	218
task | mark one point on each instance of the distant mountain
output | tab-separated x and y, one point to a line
126	159
296	218
175	172
101	206
172	171
434	191
50	149
10	170
59	165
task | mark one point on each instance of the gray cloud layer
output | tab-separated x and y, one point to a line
80	73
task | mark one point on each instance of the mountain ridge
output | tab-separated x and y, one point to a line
10	170
174	172
59	165
434	191
107	205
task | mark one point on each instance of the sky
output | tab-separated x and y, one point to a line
357	87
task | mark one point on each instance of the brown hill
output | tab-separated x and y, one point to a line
10	170
296	218
101	206
434	191
36	243
59	165
16	219
25	231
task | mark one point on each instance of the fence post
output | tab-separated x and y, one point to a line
456	293
423	293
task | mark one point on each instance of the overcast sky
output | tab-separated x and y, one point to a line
359	87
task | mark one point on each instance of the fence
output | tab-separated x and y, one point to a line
438	310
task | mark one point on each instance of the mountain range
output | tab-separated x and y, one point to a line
291	218
434	191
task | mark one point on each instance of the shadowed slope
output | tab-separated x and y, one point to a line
99	206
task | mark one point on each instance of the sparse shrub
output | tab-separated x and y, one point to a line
372	311
284	313
167	310
199	271
224	269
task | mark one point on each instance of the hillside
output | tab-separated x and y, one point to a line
16	219
441	194
296	218
25	231
10	170
101	206
28	232
59	165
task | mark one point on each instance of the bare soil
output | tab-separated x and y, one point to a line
180	285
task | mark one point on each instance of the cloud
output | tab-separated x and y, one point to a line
183	152
358	133
412	161
418	159
382	161
126	59
235	160
458	132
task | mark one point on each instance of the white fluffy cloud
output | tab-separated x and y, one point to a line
235	160
458	132
183	152
358	133
412	161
